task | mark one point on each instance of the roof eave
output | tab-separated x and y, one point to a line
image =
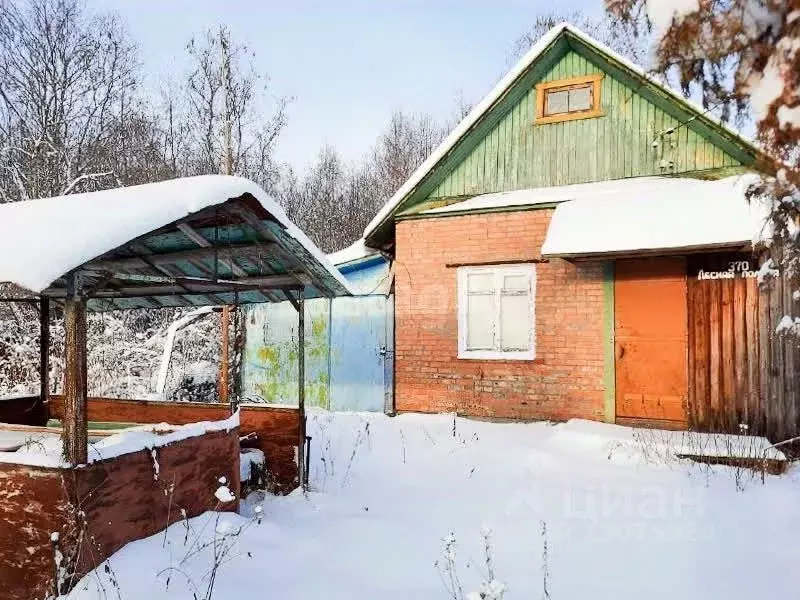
736	246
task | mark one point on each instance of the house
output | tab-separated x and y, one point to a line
349	342
580	246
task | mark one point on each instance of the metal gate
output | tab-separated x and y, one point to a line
349	353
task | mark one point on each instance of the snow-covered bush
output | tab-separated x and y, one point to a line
124	352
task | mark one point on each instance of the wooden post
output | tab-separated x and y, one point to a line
44	350
227	169
224	367
301	386
75	436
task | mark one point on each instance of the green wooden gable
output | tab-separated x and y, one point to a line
645	130
516	154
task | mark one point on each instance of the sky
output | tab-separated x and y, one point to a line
348	64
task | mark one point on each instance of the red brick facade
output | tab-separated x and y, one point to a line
564	380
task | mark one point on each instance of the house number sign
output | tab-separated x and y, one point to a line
736	268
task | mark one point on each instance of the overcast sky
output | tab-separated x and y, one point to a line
349	63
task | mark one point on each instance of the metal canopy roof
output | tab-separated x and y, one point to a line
231	252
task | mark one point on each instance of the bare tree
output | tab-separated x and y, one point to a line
320	203
621	35
66	80
334	201
401	148
254	129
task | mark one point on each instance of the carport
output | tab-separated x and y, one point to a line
199	241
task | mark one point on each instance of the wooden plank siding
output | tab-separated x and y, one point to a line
518	154
722	347
741	372
780	358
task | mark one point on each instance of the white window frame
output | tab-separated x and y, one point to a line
499	271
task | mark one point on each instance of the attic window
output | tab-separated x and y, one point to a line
568	99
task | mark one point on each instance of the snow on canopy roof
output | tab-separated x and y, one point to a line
42	240
468	122
653	214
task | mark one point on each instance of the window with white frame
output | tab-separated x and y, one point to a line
496	312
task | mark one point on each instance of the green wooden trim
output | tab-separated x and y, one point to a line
609	366
476	211
434	203
715	174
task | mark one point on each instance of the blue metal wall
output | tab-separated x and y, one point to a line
349	347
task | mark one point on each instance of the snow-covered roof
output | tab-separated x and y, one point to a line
355	251
366	270
652	214
528	197
499	90
42	240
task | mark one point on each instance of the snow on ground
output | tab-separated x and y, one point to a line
623	520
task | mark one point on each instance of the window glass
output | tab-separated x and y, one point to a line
580	98
480	283
480	322
557	101
496	312
515	322
515	283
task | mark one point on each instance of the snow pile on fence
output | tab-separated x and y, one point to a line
616	520
48	451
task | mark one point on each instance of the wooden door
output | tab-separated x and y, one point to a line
650	339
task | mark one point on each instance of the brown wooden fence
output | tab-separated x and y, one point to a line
780	360
277	429
741	372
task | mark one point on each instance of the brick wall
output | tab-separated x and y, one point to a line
564	380
119	499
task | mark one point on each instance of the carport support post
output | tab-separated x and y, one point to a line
76	434
44	350
301	386
224	366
